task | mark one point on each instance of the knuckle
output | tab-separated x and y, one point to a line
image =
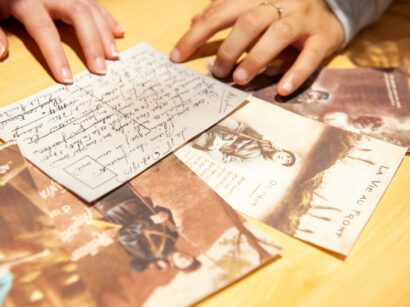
40	25
313	54
78	7
225	54
283	30
209	18
213	17
255	60
250	20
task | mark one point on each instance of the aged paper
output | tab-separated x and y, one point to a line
35	270
101	131
145	244
316	182
363	100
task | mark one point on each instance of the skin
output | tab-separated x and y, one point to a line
262	34
282	157
181	260
96	30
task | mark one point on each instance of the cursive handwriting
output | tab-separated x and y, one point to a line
103	130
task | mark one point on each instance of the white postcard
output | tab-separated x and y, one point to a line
102	131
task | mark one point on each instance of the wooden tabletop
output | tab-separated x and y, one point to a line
376	273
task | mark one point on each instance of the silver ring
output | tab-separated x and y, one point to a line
277	7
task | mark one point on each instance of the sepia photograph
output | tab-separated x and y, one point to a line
35	270
374	102
313	181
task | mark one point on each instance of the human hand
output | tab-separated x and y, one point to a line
95	27
261	28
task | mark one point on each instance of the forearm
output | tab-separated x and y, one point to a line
354	15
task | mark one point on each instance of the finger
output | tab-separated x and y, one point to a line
88	35
247	28
218	16
196	17
107	38
115	27
278	36
3	44
316	49
41	27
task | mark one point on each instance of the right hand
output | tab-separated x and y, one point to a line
96	30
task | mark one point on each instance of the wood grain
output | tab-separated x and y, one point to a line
376	273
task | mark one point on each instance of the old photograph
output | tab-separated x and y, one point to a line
35	270
363	100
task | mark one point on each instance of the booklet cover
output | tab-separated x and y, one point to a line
315	182
35	269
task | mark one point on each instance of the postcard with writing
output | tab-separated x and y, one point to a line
35	269
98	133
164	239
316	182
363	100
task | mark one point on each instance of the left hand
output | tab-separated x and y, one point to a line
308	25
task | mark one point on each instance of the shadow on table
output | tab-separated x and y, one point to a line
67	34
387	42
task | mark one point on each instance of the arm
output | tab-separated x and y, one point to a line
354	15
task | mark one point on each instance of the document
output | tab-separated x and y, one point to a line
163	239
35	269
98	133
315	182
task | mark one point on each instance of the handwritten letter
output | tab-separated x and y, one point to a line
103	130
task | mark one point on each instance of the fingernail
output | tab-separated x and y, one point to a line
241	75
287	86
66	75
175	55
119	29
217	71
114	50
100	66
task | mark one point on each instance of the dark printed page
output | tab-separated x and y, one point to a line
165	238
313	181
363	100
35	269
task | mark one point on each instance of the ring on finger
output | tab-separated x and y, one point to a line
277	7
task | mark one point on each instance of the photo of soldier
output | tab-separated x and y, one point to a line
148	233
231	141
313	96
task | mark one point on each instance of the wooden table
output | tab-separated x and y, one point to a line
377	272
